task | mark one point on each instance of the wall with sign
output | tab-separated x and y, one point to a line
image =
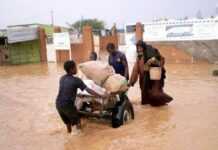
61	41
181	32
62	46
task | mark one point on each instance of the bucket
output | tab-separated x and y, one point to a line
155	73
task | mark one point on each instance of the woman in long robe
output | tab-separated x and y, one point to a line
151	90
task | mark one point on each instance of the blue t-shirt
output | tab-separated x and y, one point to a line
68	89
116	60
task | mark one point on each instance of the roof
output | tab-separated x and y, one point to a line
48	28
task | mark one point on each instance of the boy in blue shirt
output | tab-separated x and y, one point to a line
65	102
118	61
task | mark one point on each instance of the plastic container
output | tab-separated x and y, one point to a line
155	73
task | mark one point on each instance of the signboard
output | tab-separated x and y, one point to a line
22	34
156	32
181	32
61	41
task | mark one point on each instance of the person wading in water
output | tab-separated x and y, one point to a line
151	90
118	61
65	101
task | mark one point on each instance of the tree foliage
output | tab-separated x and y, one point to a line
94	23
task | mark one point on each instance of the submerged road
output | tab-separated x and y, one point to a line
29	121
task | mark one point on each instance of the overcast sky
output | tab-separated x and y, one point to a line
120	11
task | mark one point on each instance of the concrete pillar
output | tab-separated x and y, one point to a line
43	48
104	41
88	42
139	31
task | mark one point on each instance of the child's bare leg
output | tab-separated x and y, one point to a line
78	125
69	128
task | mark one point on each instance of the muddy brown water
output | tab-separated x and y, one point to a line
29	121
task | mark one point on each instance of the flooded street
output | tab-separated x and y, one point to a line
29	121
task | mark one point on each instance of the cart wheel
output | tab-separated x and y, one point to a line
122	113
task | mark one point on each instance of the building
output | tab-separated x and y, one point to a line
23	44
197	37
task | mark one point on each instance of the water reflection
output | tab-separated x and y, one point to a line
28	119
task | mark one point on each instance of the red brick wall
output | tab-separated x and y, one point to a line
62	55
108	39
77	53
81	52
173	54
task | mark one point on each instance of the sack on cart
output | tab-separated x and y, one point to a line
97	71
116	83
91	84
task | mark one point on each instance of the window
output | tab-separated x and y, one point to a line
49	39
130	28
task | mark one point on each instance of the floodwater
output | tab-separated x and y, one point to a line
29	121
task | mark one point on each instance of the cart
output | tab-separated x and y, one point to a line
117	108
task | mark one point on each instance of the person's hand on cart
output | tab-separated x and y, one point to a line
106	95
92	92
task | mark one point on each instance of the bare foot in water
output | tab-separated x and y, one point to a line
76	130
69	128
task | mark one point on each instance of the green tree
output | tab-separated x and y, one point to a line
94	23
